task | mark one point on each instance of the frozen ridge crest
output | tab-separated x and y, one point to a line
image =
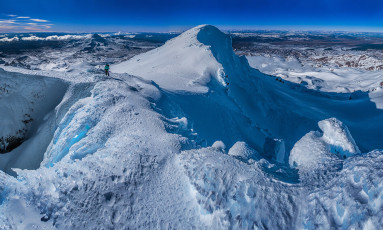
185	63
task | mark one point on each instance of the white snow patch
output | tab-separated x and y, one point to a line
25	216
242	150
376	96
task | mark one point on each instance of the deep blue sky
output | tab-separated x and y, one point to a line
165	15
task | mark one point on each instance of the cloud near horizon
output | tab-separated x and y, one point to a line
49	38
17	23
38	20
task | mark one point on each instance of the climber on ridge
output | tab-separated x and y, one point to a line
107	69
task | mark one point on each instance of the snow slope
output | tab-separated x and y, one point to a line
175	147
182	64
268	109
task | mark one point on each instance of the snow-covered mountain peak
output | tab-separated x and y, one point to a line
207	35
219	42
185	63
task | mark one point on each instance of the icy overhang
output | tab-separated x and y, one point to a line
27	121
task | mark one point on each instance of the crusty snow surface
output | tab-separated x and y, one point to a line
187	136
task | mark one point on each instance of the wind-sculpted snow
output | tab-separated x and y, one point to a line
235	195
97	181
320	151
353	199
337	135
199	140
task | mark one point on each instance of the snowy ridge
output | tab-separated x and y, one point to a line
175	147
185	63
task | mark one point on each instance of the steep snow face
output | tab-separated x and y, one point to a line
321	151
26	118
184	63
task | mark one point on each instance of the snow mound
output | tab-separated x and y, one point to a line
311	152
241	150
320	150
185	63
219	145
337	135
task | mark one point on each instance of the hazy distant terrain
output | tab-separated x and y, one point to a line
318	49
359	50
63	52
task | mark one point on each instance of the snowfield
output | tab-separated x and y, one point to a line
187	136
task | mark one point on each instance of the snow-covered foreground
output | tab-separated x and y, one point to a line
188	136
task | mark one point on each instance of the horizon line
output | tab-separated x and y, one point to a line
225	28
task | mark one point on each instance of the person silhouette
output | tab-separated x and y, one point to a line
107	69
